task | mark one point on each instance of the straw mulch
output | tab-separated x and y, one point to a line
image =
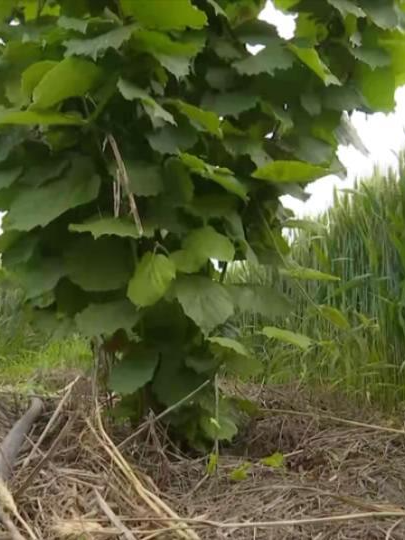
79	479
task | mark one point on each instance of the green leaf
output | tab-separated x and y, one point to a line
229	345
383	13
108	226
183	381
171	139
72	77
299	272
377	86
134	371
39	173
73	23
105	319
374	57
151	280
206	302
240	473
39	278
394	44
275	461
311	59
156	14
8	176
220	175
131	92
145	179
206	243
205	120
230	103
273	56
289	171
98	265
97	47
186	261
34	74
292	338
335	316
212	464
32	207
346	7
235	357
261	299
224	429
41	118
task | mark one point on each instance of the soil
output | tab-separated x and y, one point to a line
343	475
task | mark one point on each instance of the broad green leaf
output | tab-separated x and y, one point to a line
105	319
205	120
274	56
157	14
183	381
36	207
211	206
134	371
275	461
383	13
73	23
235	357
289	171
262	299
97	47
304	224
346	7
206	302
374	57
229	345
299	272
224	429
72	77
108	226
145	179
217	8
310	58
206	243
39	278
220	175
230	103
394	44
131	92
335	316
179	187
377	86
34	74
41	118
152	278
8	176
186	261
98	265
292	338
173	139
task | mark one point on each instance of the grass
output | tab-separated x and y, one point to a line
357	323
29	358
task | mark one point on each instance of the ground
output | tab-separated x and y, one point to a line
339	480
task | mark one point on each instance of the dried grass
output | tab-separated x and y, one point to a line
339	482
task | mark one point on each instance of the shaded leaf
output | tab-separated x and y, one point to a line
230	103
206	120
171	139
107	318
134	371
8	176
151	280
39	278
145	179
206	243
273	56
261	299
346	7
131	92
108	226
206	302
32	206
98	265
96	47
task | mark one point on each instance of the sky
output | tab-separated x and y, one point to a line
383	135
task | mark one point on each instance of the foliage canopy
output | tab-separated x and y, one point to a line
140	139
